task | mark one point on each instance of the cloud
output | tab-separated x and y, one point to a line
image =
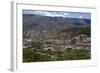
80	17
47	13
52	14
58	14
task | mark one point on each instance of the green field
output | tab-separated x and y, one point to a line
40	55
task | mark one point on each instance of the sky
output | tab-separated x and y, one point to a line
59	14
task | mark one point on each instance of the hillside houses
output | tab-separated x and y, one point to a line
82	42
27	43
61	41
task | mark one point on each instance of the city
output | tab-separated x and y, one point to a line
56	41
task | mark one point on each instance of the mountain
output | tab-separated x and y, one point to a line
32	24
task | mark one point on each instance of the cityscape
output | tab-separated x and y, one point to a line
56	36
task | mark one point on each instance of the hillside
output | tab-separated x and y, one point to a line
36	22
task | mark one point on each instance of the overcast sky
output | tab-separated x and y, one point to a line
59	14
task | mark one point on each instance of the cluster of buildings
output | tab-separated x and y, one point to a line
60	42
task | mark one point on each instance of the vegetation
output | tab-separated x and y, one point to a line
36	52
36	56
47	38
81	30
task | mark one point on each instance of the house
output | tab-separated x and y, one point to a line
48	48
27	43
68	47
82	42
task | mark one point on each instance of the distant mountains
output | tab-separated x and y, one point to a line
37	22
